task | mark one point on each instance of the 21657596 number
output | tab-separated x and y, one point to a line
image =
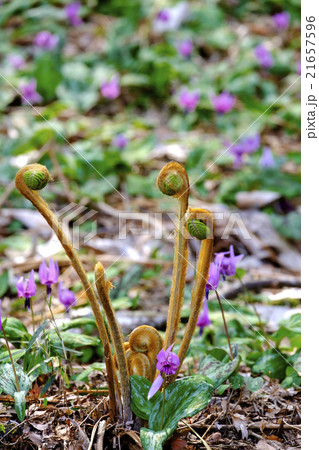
310	47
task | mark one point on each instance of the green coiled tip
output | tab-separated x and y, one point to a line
198	229
36	179
171	185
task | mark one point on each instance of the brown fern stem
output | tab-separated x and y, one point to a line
103	288
180	248
198	290
55	224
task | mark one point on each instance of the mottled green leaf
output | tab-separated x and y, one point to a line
254	384
140	387
16	331
217	371
183	398
74	340
20	403
154	440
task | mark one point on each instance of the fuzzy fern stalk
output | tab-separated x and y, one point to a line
173	181
103	288
28	181
200	225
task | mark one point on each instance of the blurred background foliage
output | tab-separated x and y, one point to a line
116	39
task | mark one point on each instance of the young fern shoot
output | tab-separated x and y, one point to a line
103	288
200	225
29	180
173	181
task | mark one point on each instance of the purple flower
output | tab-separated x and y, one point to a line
281	20
185	48
264	57
228	263
170	19
27	288
267	158
163	15
223	103
16	61
203	319
238	151
66	297
247	145
251	143
46	40
72	12
213	276
29	93
167	364
188	100
48	275
120	141
111	89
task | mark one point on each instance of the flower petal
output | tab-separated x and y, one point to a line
32	287
20	287
168	351
157	383
43	272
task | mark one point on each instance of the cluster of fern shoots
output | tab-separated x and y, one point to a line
138	355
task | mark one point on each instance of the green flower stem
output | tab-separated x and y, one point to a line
250	302
11	359
48	302
163	404
225	324
32	314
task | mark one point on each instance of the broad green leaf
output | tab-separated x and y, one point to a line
47	74
254	384
236	380
271	362
16	331
16	354
217	371
183	398
74	340
297	364
219	353
141	406
222	388
292	379
77	323
4	283
288	225
154	440
8	381
20	403
290	329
